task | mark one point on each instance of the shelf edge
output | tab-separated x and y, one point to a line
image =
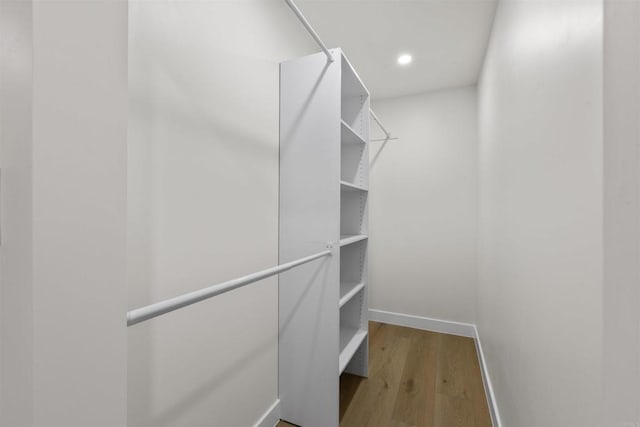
351	186
353	292
350	349
360	139
344	241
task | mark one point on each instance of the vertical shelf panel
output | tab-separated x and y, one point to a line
309	219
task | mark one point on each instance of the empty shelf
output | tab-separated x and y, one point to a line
347	186
348	291
350	340
351	83
349	136
347	240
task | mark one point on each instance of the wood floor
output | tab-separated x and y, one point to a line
416	378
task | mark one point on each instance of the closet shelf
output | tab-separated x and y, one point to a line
349	136
350	340
348	291
349	239
352	84
347	186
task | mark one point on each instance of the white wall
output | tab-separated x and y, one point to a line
203	205
423	210
540	256
16	308
622	213
63	293
79	213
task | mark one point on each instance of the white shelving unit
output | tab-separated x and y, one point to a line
324	182
354	208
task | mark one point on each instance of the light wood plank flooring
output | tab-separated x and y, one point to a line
416	378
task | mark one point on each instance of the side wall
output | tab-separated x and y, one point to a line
79	213
203	205
423	204
622	213
16	307
540	264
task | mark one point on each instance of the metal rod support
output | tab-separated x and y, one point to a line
379	123
154	310
383	139
309	28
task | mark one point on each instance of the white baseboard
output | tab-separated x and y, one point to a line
447	327
424	323
270	418
486	380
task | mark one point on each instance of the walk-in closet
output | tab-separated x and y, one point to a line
319	213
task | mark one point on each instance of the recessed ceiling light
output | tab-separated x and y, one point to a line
405	59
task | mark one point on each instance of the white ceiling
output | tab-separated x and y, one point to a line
447	39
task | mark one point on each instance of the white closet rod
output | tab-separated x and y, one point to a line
309	28
316	37
142	314
383	139
386	132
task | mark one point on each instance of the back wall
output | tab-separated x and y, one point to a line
423	208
